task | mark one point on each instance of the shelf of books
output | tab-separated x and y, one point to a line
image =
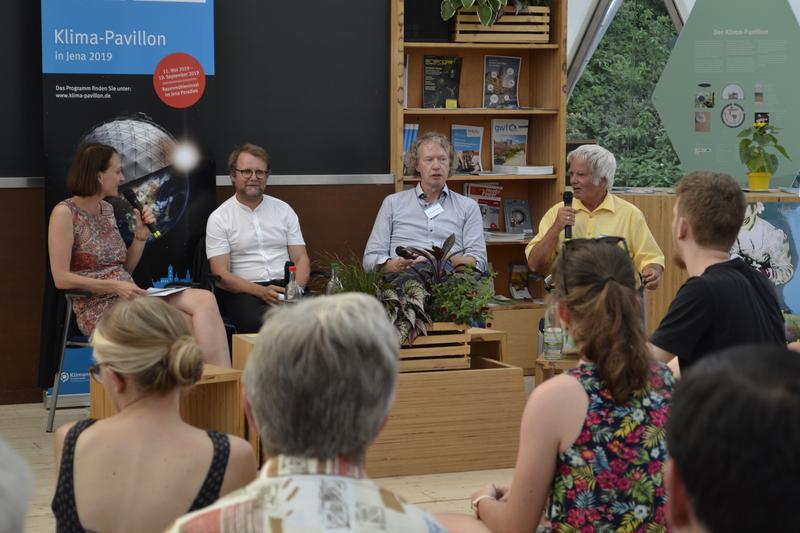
503	106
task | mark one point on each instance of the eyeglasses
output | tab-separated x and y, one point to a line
96	372
611	240
247	173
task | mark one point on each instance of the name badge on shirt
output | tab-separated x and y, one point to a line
434	210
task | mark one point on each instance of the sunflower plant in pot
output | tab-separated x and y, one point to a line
758	151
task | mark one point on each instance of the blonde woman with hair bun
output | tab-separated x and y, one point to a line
143	467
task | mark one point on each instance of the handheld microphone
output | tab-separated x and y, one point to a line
136	204
567	203
403	252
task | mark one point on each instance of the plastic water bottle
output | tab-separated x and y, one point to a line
293	291
334	285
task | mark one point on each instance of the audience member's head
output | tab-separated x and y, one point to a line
600	161
712	205
733	438
435	138
252	149
16	486
149	341
597	297
91	159
321	377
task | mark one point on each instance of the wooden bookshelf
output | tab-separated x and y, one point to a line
542	100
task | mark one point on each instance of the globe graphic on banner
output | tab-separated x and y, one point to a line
146	150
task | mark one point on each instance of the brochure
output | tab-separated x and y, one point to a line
500	79
518	284
467	144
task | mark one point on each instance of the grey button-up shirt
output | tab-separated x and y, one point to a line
402	221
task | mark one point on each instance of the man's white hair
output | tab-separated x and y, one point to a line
16	486
601	162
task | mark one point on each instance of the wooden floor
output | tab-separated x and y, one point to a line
22	426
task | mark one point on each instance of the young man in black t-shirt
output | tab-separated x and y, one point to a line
724	302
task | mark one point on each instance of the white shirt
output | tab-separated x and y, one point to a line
256	239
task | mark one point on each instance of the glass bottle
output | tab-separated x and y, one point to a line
553	335
293	291
334	285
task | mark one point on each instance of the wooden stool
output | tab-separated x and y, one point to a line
547	368
212	403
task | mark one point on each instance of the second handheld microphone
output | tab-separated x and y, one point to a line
136	204
568	203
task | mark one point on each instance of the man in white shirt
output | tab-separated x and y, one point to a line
249	239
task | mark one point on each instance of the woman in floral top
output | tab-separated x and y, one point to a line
592	442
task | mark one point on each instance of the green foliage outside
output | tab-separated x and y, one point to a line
612	102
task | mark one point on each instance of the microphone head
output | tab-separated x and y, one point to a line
132	199
402	252
567	198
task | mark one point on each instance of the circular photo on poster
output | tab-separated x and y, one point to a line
733	91
732	115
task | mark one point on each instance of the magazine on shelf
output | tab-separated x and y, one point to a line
517	216
518	283
441	80
500	80
509	142
488	197
467	144
409	136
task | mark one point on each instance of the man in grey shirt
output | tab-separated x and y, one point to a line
427	214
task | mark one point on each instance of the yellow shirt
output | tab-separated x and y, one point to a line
614	216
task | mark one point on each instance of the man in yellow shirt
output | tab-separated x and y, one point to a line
596	212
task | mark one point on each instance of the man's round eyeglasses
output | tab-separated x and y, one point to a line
248	173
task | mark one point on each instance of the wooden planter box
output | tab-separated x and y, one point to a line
451	421
529	26
446	347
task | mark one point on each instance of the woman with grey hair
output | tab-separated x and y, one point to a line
319	385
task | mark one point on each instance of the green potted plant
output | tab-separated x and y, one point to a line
756	151
489	11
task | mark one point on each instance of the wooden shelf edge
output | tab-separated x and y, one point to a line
508	243
493	46
490	177
478	111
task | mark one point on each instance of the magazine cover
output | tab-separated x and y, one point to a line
509	141
441	79
500	78
488	198
467	144
517	216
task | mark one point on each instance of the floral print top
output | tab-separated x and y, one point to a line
611	479
98	252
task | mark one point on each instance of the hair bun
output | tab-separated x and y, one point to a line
185	361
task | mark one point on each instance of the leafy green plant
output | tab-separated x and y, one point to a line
489	11
405	305
755	145
462	298
353	276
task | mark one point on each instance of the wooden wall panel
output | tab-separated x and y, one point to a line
22	256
